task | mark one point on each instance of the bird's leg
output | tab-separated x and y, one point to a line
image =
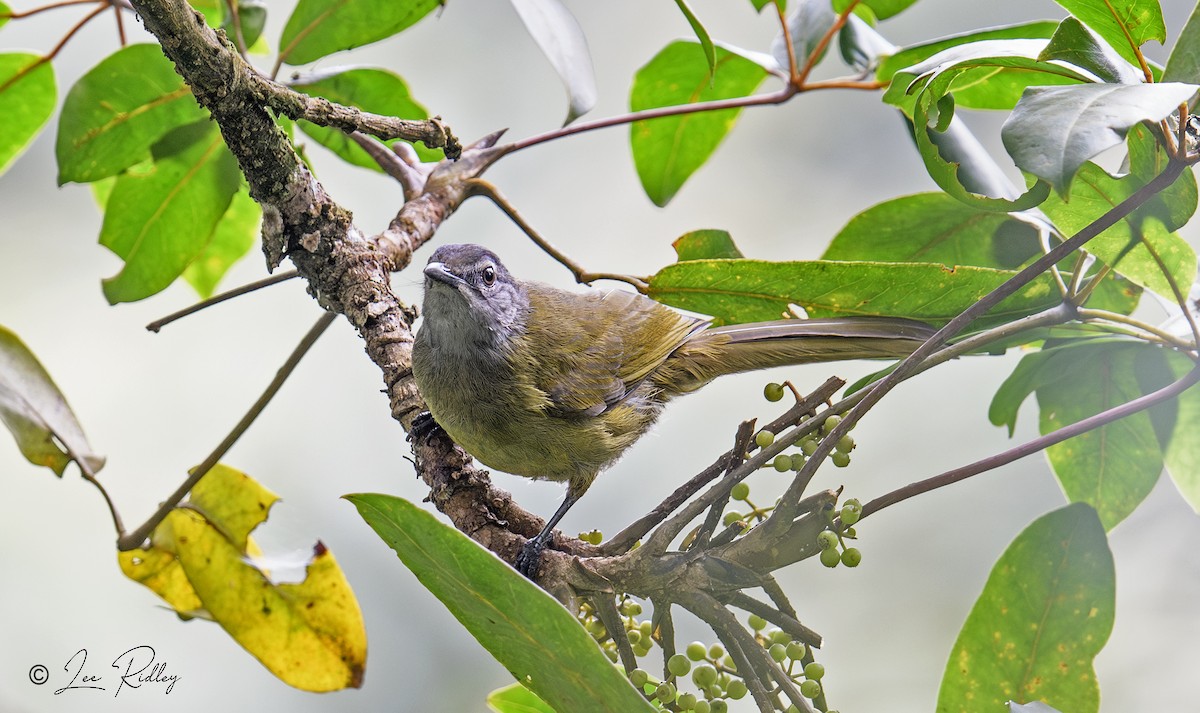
531	554
422	426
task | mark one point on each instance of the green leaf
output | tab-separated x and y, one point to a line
233	237
1044	614
526	629
883	9
1141	246
1114	467
668	150
806	25
1183	450
4	12
252	17
1075	43
934	227
37	413
915	54
516	698
27	96
118	110
1184	63
760	4
375	90
710	52
1176	204
1054	130
160	221
561	39
705	245
320	27
737	291
1124	24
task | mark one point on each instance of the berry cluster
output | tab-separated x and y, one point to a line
832	540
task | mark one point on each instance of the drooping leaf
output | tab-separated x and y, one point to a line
37	413
934	227
1114	467
705	244
668	150
561	39
1073	42
516	698
1141	246
160	221
309	634
1184	63
27	95
1125	25
916	54
807	24
233	237
527	630
1054	130
118	110
1044	614
736	291
375	90
320	27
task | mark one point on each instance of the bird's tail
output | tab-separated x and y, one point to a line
760	345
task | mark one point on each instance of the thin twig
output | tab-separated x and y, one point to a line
794	628
1150	330
1037	444
217	299
606	608
86	472
813	57
19	14
57	48
741	444
484	188
135	539
239	39
117	9
793	69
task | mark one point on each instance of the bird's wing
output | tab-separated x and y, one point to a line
601	346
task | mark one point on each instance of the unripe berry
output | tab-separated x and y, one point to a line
778	652
830	558
798	461
839	459
814	671
740	491
796	651
631	608
665	692
696	651
719	706
638	677
830	423
704	676
845	444
851	557
827	540
782	463
736	689
779	636
773	391
757	622
809	446
730	518
716	651
686	701
679	665
764	438
810	689
634	636
851	511
703	707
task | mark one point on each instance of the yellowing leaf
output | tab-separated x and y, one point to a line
310	634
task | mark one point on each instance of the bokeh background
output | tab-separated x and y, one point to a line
783	183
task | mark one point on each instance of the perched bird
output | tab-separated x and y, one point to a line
551	384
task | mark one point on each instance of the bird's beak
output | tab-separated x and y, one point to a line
439	272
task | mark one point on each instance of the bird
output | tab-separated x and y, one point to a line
553	384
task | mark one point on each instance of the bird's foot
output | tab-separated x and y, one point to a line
422	427
530	557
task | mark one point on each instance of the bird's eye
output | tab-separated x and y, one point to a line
489	276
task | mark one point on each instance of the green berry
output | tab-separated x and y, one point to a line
702	706
665	692
642	649
782	463
830	558
851	511
757	622
796	650
736	689
716	651
830	424
631	608
773	391
764	438
798	461
704	676
814	671
778	652
779	636
728	664
638	677
730	518
808	447
740	491
646	628
634	636
719	706
686	701
827	540
810	689
696	651
845	444
679	665
850	532
840	460
611	653
851	557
